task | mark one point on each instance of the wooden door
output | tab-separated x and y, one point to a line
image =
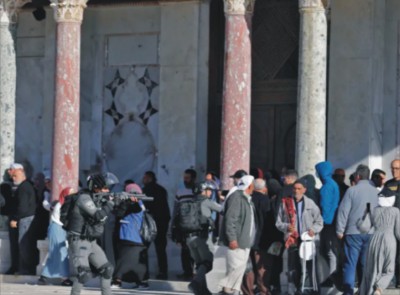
274	83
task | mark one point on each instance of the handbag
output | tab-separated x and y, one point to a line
364	224
148	230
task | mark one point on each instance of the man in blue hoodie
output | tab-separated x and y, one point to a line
329	203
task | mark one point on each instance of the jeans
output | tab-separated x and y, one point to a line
355	249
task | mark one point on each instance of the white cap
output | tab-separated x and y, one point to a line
16	166
245	182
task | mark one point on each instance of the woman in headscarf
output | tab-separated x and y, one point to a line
381	257
57	262
132	252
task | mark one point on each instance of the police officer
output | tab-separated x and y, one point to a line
200	243
86	223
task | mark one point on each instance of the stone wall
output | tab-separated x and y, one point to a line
146	65
359	107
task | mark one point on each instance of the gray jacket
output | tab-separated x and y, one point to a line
311	219
353	207
237	221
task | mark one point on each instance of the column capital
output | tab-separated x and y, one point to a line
312	4
239	6
9	10
68	10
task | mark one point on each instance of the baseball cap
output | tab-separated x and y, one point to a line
239	174
16	166
245	182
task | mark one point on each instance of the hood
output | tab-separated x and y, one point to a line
324	170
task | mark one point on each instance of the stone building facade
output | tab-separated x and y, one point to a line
134	85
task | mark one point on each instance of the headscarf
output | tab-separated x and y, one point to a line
64	193
386	198
133	188
386	201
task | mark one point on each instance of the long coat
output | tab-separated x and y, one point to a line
381	255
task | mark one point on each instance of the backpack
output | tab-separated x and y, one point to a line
190	218
148	231
130	228
66	210
138	228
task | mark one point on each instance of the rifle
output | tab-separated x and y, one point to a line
120	197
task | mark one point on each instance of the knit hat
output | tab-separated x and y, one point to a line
133	188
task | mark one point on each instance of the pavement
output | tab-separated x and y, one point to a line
14	285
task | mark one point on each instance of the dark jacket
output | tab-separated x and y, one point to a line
25	201
7	193
158	208
236	224
262	209
329	193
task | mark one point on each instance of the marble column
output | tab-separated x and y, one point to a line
65	162
236	104
311	100
8	77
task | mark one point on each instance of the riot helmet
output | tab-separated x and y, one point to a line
205	185
101	180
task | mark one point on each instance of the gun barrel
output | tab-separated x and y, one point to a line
145	198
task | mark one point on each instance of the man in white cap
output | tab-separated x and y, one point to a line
237	234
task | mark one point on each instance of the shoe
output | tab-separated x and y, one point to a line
67	283
196	288
378	292
116	284
222	292
43	281
10	271
328	283
185	276
162	276
143	286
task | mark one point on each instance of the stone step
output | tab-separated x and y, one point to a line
13	285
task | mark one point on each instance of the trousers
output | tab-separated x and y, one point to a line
82	254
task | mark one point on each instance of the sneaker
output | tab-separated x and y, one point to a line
116	284
67	283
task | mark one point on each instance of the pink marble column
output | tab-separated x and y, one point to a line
65	164
236	105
